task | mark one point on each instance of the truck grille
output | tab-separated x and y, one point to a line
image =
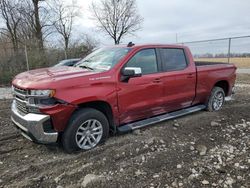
21	100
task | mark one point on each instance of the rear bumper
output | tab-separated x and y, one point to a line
32	126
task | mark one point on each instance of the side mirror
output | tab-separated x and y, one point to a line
130	72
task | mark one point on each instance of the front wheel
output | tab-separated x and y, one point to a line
86	129
216	99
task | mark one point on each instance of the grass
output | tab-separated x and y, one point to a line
240	62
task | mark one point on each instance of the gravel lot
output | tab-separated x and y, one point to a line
5	93
243	71
199	150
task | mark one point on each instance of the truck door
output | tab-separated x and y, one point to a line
179	79
141	97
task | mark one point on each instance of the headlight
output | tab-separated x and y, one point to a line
43	93
41	101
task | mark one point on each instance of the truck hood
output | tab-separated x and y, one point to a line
48	75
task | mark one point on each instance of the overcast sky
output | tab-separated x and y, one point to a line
189	19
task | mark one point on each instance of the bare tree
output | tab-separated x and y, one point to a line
64	16
37	23
117	18
10	14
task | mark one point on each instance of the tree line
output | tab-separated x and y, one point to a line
35	21
41	32
32	22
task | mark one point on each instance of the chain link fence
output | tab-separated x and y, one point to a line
27	57
13	61
231	50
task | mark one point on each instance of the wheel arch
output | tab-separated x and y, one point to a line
103	107
224	85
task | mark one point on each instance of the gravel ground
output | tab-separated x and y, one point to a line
243	71
199	150
5	93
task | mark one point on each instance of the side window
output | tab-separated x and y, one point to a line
146	60
173	59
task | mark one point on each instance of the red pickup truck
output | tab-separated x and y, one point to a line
116	89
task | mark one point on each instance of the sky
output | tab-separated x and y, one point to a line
180	21
189	20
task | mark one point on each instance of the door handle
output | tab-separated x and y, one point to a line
190	75
157	80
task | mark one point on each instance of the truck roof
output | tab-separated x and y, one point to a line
151	46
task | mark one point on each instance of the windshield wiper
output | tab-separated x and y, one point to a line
86	67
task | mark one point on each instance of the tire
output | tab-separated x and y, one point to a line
85	124
216	99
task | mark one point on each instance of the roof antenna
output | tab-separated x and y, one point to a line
130	44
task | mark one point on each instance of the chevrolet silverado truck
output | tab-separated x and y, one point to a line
115	90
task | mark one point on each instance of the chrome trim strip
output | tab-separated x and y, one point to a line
22	101
19	94
19	125
26	136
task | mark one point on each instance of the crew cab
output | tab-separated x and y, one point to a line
116	89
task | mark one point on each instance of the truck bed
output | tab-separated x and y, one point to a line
208	73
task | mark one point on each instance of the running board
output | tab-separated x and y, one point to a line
143	123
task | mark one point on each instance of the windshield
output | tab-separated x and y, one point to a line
103	59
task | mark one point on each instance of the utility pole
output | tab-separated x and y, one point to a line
26	57
176	38
229	50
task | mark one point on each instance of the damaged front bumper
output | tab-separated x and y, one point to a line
33	126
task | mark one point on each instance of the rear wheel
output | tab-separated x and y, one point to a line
216	99
87	128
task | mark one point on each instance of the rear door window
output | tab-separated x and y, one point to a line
173	59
